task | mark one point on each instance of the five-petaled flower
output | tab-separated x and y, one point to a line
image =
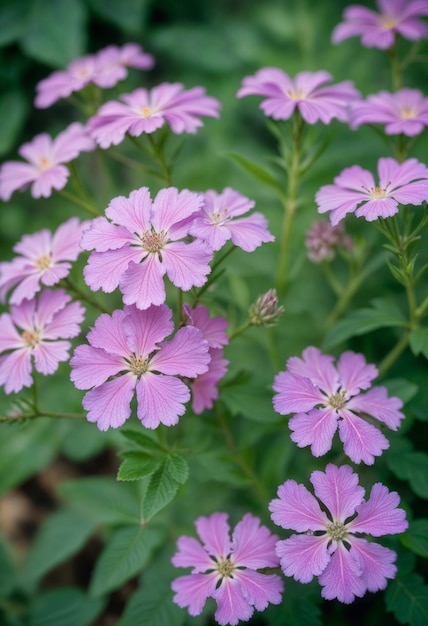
325	397
305	93
346	565
227	570
399	183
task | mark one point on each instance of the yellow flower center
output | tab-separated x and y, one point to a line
407	113
337	531
152	241
138	366
43	262
225	568
44	163
145	112
337	401
296	95
219	216
31	338
387	22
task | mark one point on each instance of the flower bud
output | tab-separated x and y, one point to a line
265	310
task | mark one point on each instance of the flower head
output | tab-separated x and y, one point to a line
305	93
324	398
399	183
31	331
379	30
144	111
227	569
142	243
127	355
405	111
323	239
265	311
346	565
44	259
218	221
44	169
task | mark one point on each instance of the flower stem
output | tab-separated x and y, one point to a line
90	208
84	296
240	330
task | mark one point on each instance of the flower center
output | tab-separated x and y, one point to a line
153	241
337	531
219	216
378	193
43	262
296	95
31	338
44	163
337	401
138	366
407	113
225	568
387	22
145	112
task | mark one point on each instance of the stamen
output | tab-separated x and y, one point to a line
44	163
145	112
337	531
337	401
152	241
138	366
31	338
225	568
43	262
377	193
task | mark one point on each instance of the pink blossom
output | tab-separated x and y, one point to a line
379	30
305	93
142	243
145	111
346	565
324	397
399	183
213	329
44	169
323	239
126	355
405	111
227	570
105	69
44	260
218	221
31	331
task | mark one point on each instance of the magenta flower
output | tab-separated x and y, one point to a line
379	30
127	356
346	565
45	169
142	243
145	111
305	93
31	331
227	570
405	111
213	329
218	221
104	69
399	183
323	239
44	260
325	397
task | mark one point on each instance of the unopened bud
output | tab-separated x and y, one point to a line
265	310
323	239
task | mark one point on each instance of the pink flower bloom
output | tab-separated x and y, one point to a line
227	570
142	243
145	111
45	158
127	356
399	183
314	103
325	397
44	260
323	239
218	221
32	330
379	30
346	565
405	111
213	329
104	69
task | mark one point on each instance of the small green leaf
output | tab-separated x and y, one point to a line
160	491
65	606
416	537
177	467
407	597
136	464
418	340
411	466
142	439
259	172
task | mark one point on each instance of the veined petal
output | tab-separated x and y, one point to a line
259	589
133	213
317	367
10	339
338	490
295	394
297	508
109	404
142	283
253	545
172	206
47	356
65	323
315	429
192	591
355	373
377	404
185	355
192	554
104	269
108	334
103	236
380	515
361	441
160	399
91	367
375	561
214	532
145	329
15	370
303	556
342	578
187	264
231	603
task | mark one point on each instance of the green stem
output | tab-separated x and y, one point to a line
179	307
157	151
38	413
394	354
84	296
240	330
395	66
90	208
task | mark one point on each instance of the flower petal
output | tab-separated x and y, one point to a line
380	515
303	556
253	545
296	508
338	490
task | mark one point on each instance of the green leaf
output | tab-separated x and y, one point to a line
127	552
136	464
413	467
418	340
56	31
407	597
66	606
84	441
142	439
402	388
259	172
7	570
177	467
416	537
13	19
128	15
13	108
252	401
160	491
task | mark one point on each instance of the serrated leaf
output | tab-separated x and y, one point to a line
259	172
66	606
160	491
413	467
124	556
177	467
407	597
143	440
418	340
127	14
136	464
416	537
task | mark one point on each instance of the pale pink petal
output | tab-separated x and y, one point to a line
317	367
185	355
361	441
259	589
160	399
15	370
103	236
15	176
108	334
375	561
27	289
215	235
315	429
380	515
109	405
54	178
10	339
296	508
253	545
66	240
342	578
338	490
187	264
214	532
371	210
250	232
303	556
191	554
295	394
104	269
355	373
142	283
171	206
212	328
192	591
91	367
133	213
47	356
231	603
49	304
66	322
145	329
377	404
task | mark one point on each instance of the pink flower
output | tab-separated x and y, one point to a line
145	111
399	183
379	30
323	239
325	397
313	102
227	570
44	260
142	243
217	221
213	329
31	331
405	111
127	356
45	158
346	565
104	69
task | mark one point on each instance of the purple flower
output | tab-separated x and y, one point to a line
399	183
31	331
323	239
227	570
145	111
45	158
213	329
405	111
346	565
142	243
44	260
218	221
378	30
127	356
104	69
325	397
306	94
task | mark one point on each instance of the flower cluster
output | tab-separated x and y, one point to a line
323	239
